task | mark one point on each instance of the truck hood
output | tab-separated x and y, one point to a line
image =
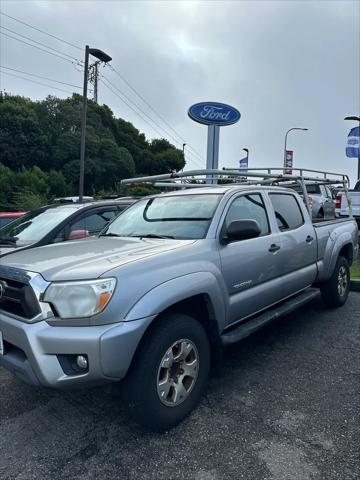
86	259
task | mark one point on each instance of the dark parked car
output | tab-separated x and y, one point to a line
7	217
59	223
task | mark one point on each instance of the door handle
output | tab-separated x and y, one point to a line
309	238
274	248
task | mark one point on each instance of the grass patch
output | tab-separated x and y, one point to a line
355	270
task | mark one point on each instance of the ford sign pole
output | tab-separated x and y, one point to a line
212	157
214	115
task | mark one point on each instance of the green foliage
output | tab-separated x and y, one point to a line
27	200
30	188
40	148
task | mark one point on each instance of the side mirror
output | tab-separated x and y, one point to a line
242	230
78	234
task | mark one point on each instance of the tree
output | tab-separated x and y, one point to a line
21	138
40	146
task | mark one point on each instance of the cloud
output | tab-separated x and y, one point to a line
282	64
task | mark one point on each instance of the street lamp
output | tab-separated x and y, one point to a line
290	129
103	57
355	119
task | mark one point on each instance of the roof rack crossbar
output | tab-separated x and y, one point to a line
245	173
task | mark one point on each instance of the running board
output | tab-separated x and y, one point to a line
249	327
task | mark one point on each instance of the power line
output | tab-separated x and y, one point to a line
77	62
40	43
35	81
40	76
43	50
153	109
142	111
105	81
41	31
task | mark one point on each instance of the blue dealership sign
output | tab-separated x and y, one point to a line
353	143
214	113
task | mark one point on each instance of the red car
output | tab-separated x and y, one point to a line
7	217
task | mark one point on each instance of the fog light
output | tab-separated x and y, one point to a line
82	362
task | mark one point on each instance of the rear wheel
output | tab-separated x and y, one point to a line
169	374
336	290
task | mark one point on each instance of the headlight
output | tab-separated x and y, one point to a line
80	299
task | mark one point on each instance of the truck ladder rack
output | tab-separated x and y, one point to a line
268	176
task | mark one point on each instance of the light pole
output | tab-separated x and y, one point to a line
103	57
286	134
355	119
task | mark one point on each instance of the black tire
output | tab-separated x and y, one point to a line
335	291
140	388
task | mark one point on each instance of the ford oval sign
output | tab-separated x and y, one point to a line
214	113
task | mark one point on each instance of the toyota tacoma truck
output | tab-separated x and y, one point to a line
171	281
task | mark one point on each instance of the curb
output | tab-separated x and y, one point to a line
355	285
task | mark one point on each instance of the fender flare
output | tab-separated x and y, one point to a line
330	259
177	289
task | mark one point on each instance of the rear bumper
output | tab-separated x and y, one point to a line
31	351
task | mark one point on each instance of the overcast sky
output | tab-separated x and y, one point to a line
282	64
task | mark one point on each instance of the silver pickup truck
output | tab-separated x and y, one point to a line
171	281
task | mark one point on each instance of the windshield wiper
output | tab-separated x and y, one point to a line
8	241
148	235
153	235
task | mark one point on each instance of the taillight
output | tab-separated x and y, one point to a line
338	200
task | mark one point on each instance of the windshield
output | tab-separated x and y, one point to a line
178	216
33	226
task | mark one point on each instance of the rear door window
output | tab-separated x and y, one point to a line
94	222
287	211
88	224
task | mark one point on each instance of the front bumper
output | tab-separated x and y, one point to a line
31	351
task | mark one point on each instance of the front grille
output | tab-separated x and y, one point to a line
18	298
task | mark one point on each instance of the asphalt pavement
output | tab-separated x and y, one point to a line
286	406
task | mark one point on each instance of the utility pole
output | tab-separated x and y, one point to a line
103	57
83	125
94	77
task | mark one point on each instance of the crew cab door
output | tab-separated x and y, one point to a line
298	253
250	267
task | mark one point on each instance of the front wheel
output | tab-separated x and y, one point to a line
170	372
336	290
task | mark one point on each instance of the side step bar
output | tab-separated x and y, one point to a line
249	327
